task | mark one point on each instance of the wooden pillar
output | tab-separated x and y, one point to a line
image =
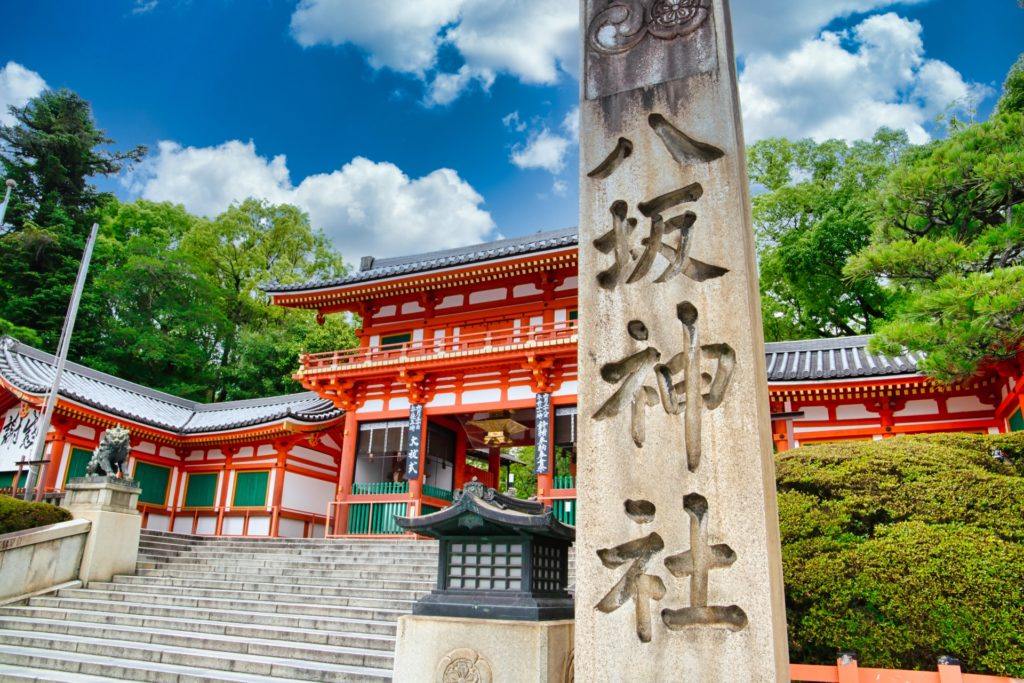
229	454
279	472
494	467
178	484
461	446
57	446
846	663
347	469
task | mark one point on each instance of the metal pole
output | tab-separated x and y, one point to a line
62	358
7	199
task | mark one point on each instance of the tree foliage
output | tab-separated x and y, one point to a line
814	213
173	300
949	243
906	549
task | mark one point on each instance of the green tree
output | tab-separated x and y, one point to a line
905	549
814	213
239	250
52	150
949	243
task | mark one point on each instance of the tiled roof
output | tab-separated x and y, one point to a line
841	358
32	371
379	269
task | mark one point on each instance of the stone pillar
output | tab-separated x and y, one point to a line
112	506
678	569
544	445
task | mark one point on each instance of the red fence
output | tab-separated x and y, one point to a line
847	671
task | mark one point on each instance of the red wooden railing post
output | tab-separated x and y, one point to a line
949	670
846	662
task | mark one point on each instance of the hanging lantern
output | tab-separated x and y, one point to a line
499	430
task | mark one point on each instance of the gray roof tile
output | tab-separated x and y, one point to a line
32	371
380	269
840	358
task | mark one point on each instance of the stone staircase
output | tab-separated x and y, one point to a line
226	609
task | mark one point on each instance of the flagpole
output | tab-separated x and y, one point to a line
62	358
7	200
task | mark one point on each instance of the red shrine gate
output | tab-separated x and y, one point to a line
466	368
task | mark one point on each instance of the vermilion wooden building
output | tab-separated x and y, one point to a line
464	355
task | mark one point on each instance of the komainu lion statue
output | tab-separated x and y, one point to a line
111	454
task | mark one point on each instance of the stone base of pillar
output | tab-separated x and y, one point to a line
112	506
486	650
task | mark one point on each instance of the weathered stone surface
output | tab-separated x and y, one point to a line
36	559
440	649
113	543
678	564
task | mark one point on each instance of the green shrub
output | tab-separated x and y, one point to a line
16	515
906	549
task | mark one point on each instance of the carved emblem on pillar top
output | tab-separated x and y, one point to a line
637	43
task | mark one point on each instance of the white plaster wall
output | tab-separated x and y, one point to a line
964	404
83	431
182	525
411	307
259	526
315	456
398	403
329	441
206	525
919	407
488	295
567	389
374	341
570	283
290	528
386	312
146	447
481	396
813	414
372	406
529	289
561	315
446	399
306	494
417	335
158	522
233	526
520	392
452	301
318	531
854	411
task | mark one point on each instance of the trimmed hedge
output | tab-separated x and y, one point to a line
16	515
906	549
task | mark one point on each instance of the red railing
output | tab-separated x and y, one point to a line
469	343
846	670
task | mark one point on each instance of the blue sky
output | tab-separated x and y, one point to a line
405	126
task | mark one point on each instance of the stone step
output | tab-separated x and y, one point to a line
270	596
246	573
239	578
307	587
310	562
9	616
349	655
199	615
423	557
240	663
376	613
73	668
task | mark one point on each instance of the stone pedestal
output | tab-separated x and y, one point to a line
436	649
112	507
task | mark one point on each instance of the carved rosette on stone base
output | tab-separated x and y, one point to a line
463	666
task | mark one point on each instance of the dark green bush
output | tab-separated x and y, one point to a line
906	549
16	515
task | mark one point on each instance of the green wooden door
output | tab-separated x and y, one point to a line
1017	422
153	479
200	490
250	489
79	461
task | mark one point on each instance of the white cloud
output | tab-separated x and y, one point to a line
365	207
571	123
144	6
512	121
543	149
824	89
532	40
17	86
777	25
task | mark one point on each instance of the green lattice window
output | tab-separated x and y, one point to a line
6	480
574	315
153	479
79	461
251	489
1017	422
403	338
200	490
